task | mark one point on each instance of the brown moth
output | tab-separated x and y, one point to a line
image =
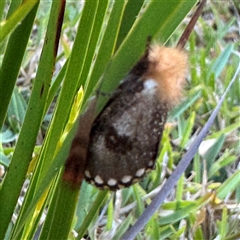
125	136
121	145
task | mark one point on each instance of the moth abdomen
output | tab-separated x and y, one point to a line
125	136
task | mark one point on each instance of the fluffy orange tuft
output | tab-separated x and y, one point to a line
168	67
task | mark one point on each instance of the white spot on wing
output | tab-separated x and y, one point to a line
140	172
112	182
150	164
126	179
87	174
98	180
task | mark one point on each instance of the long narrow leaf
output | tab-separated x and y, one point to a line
22	155
8	26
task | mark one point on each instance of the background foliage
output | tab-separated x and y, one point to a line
42	94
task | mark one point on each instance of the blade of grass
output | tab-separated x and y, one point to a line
45	182
229	185
7	26
94	210
131	11
84	204
221	61
16	110
49	166
185	211
184	105
106	46
10	67
214	151
51	230
2	8
22	155
66	195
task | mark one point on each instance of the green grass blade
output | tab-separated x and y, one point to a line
213	151
106	45
2	8
6	27
10	67
98	202
16	110
51	230
131	11
221	61
22	155
229	185
66	195
44	181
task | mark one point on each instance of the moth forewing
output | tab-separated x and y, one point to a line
125	136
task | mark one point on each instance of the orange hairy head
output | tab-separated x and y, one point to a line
168	67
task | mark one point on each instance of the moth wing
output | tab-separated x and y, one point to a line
125	137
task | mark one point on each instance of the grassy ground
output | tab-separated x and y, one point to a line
205	202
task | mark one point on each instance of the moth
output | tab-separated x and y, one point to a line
125	136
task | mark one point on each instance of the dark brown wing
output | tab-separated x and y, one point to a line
125	137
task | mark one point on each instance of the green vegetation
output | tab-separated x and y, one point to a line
41	95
